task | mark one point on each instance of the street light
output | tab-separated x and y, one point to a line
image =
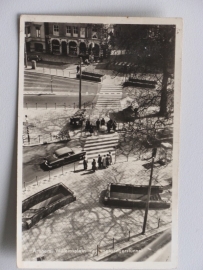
80	85
25	51
51	84
149	191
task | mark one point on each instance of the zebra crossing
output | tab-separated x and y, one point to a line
101	145
125	64
109	97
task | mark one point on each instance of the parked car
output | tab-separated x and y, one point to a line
78	118
31	57
62	156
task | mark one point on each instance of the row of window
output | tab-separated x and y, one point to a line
69	31
74	30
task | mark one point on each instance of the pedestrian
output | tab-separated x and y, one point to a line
99	161
98	124
104	162
108	127
28	138
107	160
102	122
110	158
94	165
85	162
91	130
78	69
87	125
114	125
26	119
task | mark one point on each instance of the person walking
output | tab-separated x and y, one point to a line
91	130
28	138
110	158
78	69
107	160
94	165
87	125
108	127
99	161
102	122
26	119
98	124
85	162
104	162
114	125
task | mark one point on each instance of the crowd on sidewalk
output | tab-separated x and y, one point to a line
103	162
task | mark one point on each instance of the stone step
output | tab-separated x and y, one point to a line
99	150
104	137
92	145
112	139
102	146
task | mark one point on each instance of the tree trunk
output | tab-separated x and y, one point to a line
163	101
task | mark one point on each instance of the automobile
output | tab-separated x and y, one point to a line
35	57
62	156
78	118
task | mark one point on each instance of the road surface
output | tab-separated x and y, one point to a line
51	91
46	83
48	101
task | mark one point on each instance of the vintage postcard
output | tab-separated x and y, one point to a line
98	142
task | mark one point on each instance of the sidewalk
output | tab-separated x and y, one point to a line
86	223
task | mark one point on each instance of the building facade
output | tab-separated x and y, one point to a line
71	39
35	37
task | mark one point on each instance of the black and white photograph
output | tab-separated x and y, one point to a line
98	142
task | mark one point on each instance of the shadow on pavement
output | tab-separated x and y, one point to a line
88	172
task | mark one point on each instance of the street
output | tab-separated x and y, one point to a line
50	101
41	92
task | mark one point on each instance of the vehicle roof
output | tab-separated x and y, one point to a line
63	151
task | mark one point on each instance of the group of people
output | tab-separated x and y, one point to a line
111	124
103	162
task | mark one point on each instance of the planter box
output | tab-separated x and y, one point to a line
89	78
142	81
130	196
137	84
92	74
45	202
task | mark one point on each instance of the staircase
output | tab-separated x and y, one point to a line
101	145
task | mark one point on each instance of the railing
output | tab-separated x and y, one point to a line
46	105
45	177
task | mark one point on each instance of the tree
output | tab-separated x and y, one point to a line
145	49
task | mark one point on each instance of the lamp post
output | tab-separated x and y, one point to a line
80	85
51	84
25	56
149	192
